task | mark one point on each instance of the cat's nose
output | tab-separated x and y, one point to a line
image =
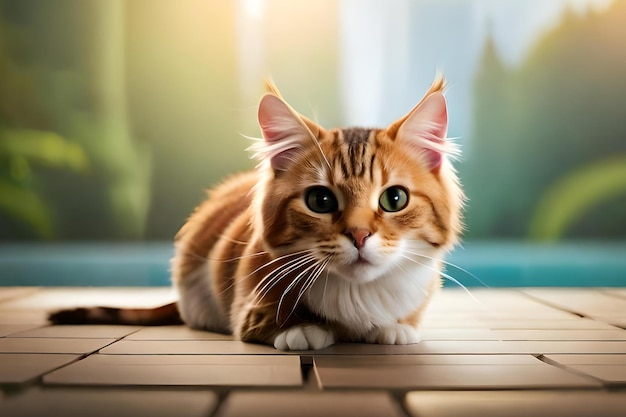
358	236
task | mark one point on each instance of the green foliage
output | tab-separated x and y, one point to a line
25	205
576	193
538	124
19	192
44	148
63	112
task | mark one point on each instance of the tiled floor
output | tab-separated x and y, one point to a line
494	352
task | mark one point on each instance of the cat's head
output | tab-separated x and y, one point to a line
360	202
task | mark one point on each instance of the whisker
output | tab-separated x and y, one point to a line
280	258
293	283
451	278
230	239
316	273
480	281
317	269
237	258
327	275
270	280
302	275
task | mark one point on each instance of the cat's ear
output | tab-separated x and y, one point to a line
284	132
425	129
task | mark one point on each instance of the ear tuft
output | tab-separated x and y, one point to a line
283	132
425	128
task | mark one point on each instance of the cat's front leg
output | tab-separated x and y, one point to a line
259	324
398	334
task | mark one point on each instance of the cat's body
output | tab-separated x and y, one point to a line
338	235
301	252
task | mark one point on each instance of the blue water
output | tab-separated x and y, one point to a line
478	264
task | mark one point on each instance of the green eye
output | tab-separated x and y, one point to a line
394	199
321	200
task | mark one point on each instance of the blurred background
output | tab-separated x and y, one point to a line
116	115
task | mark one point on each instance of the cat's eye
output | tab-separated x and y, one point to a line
321	200
394	199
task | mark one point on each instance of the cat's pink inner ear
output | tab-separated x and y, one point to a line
282	131
271	111
426	128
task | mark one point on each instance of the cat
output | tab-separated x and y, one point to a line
337	235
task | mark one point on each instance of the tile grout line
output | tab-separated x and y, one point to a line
222	396
399	400
580	314
543	358
607	291
555	306
312	381
38	381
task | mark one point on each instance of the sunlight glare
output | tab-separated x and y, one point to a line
254	8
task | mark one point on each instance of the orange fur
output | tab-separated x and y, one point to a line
250	233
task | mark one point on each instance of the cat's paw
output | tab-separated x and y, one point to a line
400	334
304	338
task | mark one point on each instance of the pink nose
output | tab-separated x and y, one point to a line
359	236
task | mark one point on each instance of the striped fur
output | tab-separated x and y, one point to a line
256	261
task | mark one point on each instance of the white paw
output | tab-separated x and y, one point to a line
400	334
304	338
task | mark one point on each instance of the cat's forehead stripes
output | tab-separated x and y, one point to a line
355	135
355	151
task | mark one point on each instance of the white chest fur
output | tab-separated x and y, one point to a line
379	303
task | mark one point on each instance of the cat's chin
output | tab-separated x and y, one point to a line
360	272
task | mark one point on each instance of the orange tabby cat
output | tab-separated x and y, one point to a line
338	235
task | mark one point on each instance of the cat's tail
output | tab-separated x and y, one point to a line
158	316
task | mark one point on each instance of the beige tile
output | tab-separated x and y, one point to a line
175	333
492	302
372	349
559	334
578	323
11	293
609	368
188	347
448	347
67	297
589	359
23	316
503	314
615	292
309	404
9	329
618	322
458	334
109	402
218	370
611	374
447	323
21	367
79	331
516	403
586	301
341	361
49	345
454	377
616	319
